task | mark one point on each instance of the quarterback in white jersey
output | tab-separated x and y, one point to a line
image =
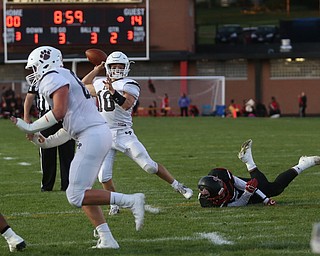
114	114
71	101
116	96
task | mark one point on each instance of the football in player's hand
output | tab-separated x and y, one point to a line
96	56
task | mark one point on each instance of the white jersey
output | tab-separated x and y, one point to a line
82	111
115	115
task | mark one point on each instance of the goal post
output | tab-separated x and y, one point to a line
207	93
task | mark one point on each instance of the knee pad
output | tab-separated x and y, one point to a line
75	199
151	168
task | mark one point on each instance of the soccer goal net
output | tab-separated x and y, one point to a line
207	94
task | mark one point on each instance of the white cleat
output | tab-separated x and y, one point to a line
114	209
185	191
306	162
105	241
138	210
16	243
245	154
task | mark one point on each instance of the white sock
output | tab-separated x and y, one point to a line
115	197
123	200
250	165
9	233
175	184
103	228
297	169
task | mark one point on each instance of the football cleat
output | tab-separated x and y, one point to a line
138	210
105	241
16	243
114	209
306	162
245	154
185	191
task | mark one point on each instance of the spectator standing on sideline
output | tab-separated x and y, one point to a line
302	104
274	108
184	103
71	102
121	93
15	242
48	157
233	109
165	105
153	109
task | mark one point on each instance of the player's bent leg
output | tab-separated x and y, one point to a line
138	153
93	147
106	170
105	177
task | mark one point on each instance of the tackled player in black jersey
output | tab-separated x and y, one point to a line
221	188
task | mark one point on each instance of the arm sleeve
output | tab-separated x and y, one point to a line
59	138
242	201
42	123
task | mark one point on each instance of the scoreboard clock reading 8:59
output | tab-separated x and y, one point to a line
73	28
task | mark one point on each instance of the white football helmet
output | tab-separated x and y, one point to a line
41	60
117	58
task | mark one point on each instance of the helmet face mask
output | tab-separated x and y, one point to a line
40	61
117	58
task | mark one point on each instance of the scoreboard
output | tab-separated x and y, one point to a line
74	27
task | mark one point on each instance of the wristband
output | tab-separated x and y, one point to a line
41	124
118	98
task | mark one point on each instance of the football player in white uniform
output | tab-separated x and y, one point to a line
220	188
117	95
71	101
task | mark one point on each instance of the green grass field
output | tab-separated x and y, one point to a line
189	148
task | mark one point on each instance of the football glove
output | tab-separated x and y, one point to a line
251	185
269	202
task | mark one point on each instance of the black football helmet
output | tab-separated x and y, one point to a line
214	189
